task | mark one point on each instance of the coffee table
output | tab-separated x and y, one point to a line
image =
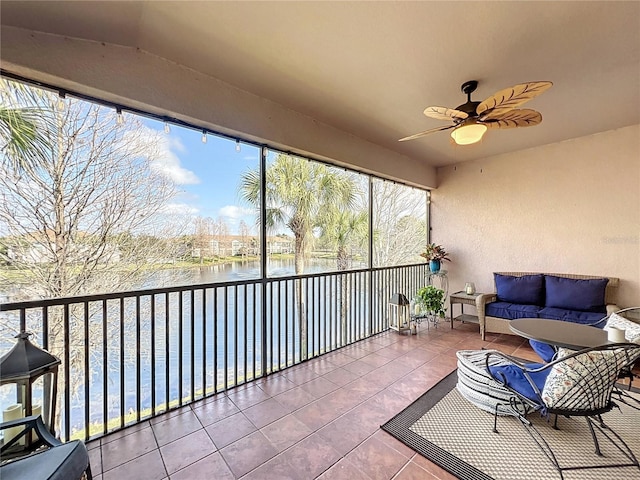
570	335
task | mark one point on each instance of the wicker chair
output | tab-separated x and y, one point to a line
477	386
47	457
577	384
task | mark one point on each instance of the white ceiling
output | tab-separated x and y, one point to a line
370	68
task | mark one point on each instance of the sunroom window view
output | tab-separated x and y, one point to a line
163	263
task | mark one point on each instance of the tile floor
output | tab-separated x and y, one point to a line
319	419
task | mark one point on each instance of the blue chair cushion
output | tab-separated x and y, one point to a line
575	316
514	378
527	289
511	311
575	294
544	350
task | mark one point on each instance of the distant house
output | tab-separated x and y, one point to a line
239	245
214	247
280	245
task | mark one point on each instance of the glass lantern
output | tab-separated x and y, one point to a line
399	313
29	371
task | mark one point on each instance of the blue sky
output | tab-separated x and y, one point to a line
207	174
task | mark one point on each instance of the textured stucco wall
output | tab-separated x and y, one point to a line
140	80
571	207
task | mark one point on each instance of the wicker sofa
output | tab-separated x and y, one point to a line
496	324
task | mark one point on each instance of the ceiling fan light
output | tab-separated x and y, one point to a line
469	132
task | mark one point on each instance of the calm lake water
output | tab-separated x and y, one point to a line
238	271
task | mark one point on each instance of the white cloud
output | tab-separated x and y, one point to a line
168	163
162	149
235	212
175	143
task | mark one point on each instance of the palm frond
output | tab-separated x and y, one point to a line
25	127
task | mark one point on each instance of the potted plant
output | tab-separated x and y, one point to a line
435	255
431	301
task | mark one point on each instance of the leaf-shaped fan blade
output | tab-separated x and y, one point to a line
505	100
422	134
515	118
444	113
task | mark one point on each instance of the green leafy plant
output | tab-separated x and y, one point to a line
431	300
435	252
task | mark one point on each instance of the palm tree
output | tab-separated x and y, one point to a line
22	142
342	229
297	192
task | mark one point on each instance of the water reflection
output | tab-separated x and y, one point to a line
236	271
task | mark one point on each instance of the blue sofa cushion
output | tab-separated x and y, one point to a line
575	294
511	311
514	378
575	316
544	350
527	289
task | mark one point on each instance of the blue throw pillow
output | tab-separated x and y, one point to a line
575	294
527	289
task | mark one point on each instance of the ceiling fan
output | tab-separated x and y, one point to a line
472	119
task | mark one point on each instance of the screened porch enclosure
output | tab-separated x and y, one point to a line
106	261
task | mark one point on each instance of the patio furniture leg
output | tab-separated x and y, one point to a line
594	437
495	419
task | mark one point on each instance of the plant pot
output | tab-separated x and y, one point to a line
434	266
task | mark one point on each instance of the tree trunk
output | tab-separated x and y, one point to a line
56	333
344	307
302	313
343	264
57	348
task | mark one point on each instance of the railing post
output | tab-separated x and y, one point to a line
370	272
67	373
263	258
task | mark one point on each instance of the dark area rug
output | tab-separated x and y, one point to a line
451	432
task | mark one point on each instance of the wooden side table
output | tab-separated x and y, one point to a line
463	299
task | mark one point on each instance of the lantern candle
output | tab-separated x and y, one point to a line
13	412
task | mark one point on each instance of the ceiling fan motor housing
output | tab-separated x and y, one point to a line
470	107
